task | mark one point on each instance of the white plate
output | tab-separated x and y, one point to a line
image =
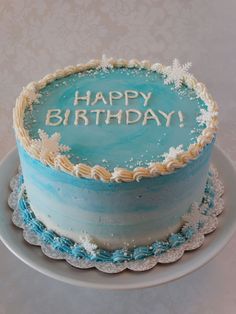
12	237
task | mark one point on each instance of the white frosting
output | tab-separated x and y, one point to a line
173	153
111	115
167	116
206	117
150	115
99	96
130	94
66	117
181	119
80	114
98	112
53	114
146	97
114	95
129	120
79	98
55	117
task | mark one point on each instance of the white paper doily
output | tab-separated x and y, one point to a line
172	255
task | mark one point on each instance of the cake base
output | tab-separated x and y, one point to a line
200	221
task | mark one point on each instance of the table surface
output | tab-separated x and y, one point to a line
38	37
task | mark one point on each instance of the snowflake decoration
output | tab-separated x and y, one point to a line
46	145
205	117
87	243
106	63
176	73
173	153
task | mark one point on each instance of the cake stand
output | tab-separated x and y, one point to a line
33	256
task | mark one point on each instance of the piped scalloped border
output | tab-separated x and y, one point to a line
97	172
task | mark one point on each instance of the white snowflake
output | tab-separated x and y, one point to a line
176	73
205	117
46	145
173	153
106	63
87	243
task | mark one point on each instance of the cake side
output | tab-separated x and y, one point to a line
176	158
113	215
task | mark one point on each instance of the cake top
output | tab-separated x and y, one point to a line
116	120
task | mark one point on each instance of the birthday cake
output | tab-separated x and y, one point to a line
114	154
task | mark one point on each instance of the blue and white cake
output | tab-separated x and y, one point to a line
114	152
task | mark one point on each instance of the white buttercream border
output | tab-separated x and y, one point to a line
97	172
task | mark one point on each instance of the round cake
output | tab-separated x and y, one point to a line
115	153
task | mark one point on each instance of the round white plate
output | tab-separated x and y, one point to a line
12	237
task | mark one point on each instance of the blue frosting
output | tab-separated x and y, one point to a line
65	245
176	240
101	256
118	145
121	256
188	232
48	236
79	252
160	247
141	252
